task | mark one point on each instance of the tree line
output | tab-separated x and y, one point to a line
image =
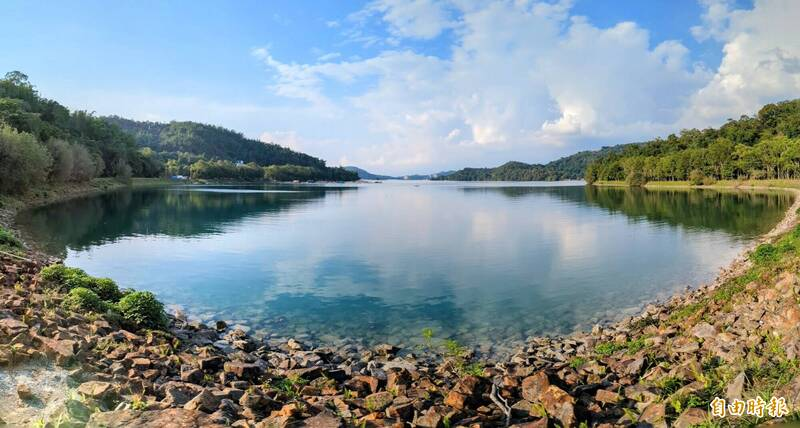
41	141
214	142
227	170
766	146
566	168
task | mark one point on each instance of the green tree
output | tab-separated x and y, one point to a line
23	160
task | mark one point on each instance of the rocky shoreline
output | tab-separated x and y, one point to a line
660	368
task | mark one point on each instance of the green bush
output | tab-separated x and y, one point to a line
69	278
708	181
24	161
636	179
82	299
765	253
696	177
56	274
142	309
8	240
107	289
77	278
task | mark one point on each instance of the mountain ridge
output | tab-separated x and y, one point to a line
570	167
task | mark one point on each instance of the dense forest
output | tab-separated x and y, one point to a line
41	141
762	147
213	142
567	168
212	152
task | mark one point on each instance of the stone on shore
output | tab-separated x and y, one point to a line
169	418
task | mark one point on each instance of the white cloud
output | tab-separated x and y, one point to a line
329	56
761	62
715	19
528	81
422	19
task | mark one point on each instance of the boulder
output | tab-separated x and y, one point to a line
204	401
363	384
655	415
243	370
96	389
322	420
24	392
534	386
141	364
211	364
704	330
735	387
169	418
191	374
179	393
690	418
559	405
608	397
432	418
386	349
378	401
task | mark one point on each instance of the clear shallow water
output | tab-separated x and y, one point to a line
483	263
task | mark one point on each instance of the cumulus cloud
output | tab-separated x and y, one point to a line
422	19
529	80
761	61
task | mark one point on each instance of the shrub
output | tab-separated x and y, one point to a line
69	278
84	165
636	179
63	160
56	274
142	309
77	278
765	253
8	240
83	299
23	160
696	177
106	289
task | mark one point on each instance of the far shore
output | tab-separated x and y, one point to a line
775	184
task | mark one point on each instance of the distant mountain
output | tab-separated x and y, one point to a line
434	176
211	141
567	168
366	175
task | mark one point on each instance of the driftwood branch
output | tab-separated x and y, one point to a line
15	256
501	403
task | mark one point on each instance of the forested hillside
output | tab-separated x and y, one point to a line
211	142
761	147
566	168
212	152
42	141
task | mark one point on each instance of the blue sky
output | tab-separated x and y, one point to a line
413	86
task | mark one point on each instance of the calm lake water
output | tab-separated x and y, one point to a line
487	264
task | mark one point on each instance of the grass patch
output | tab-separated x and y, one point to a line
685	312
8	242
577	362
631	347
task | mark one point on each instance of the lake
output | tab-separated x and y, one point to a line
485	264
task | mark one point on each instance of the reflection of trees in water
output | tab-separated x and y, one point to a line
741	213
90	221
